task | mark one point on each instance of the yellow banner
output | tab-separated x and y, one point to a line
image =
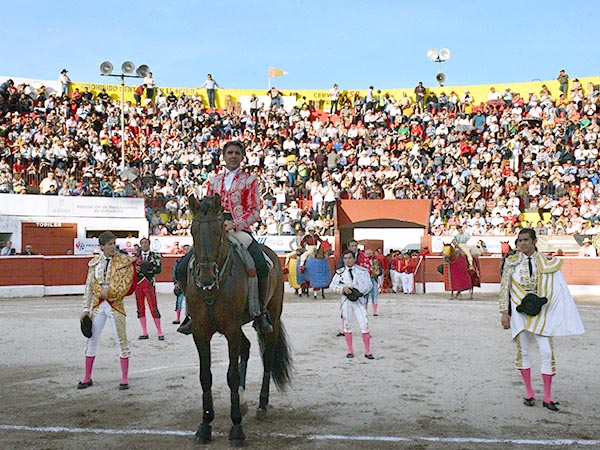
321	96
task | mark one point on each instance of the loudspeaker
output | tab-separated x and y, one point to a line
440	77
143	70
127	67
106	68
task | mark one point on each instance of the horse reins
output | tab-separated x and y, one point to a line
220	272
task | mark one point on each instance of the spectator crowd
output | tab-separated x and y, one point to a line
482	162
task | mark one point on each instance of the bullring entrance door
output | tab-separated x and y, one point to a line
49	238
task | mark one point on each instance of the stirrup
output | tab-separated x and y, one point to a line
262	323
186	326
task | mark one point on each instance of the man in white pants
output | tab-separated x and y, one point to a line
528	272
345	278
110	277
407	273
395	277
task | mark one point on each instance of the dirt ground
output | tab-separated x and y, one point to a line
442	378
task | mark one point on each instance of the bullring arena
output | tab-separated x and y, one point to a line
442	378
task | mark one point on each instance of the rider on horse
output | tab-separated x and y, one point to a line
241	202
461	239
310	242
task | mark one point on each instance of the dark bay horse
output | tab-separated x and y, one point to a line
216	291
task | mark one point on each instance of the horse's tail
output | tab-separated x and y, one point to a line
283	363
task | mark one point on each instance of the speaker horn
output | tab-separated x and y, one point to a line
128	67
106	68
143	70
432	54
440	77
445	54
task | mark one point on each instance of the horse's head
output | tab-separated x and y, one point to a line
210	239
448	251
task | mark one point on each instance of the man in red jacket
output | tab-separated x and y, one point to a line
148	265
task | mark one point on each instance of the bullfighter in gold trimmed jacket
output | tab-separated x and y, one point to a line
110	278
528	272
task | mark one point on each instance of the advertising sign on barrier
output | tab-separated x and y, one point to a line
171	245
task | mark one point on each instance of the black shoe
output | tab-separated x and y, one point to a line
529	401
186	326
551	406
161	338
142	337
86	385
176	322
369	356
123	386
262	324
340	334
350	355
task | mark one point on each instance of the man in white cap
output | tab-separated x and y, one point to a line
310	242
64	81
588	249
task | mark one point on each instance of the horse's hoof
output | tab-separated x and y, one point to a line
204	434
261	413
237	436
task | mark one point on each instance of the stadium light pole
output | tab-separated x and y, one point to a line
127	69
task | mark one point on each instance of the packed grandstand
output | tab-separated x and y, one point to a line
495	161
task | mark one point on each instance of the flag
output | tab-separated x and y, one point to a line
273	72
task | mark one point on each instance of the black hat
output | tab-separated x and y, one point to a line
532	304
354	295
86	327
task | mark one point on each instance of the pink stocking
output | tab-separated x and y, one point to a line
89	364
547	387
367	342
158	328
374	308
124	370
526	375
178	312
349	342
144	327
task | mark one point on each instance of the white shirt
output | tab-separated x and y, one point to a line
360	279
229	176
589	251
149	81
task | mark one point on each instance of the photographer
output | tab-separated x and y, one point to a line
148	265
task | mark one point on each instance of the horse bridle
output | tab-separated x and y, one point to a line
197	265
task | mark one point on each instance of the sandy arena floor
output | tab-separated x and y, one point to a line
443	378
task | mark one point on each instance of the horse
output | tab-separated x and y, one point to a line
216	291
317	271
458	276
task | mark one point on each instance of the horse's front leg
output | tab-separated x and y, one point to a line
236	434
204	431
